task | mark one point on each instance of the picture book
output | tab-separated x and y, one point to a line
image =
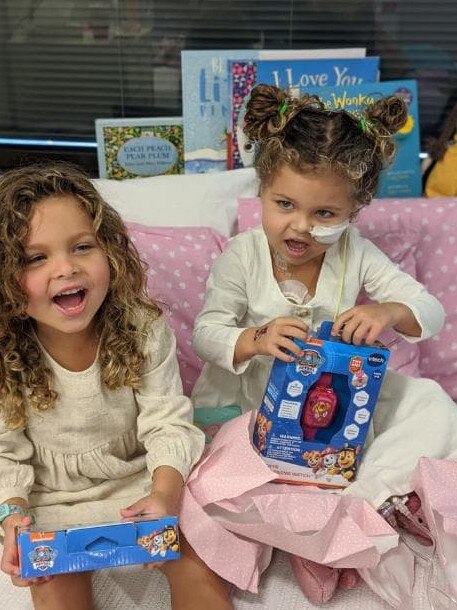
403	177
205	99
296	75
130	148
299	74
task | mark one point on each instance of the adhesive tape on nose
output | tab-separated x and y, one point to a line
329	235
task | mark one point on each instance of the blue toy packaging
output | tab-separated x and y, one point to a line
315	413
106	545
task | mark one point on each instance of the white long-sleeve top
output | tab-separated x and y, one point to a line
98	448
242	292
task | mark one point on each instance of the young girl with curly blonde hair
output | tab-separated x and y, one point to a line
93	423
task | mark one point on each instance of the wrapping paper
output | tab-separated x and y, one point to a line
233	513
435	481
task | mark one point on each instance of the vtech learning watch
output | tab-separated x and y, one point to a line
320	407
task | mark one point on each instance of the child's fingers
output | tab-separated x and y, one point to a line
373	334
21	582
295	332
286	343
290	321
137	508
361	333
10	557
341	321
281	354
347	331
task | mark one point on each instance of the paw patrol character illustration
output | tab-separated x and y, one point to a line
329	459
312	459
42	557
263	428
154	543
309	362
359	379
346	462
170	538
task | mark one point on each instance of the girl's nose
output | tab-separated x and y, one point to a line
64	267
302	224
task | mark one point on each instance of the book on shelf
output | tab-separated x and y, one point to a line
403	177
206	104
130	148
295	75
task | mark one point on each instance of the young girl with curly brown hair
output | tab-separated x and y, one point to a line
93	423
279	282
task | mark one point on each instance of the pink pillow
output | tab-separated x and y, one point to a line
395	238
436	260
398	240
179	260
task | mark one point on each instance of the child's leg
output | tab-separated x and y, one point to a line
193	585
64	592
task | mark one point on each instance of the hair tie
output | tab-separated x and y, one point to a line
365	124
283	107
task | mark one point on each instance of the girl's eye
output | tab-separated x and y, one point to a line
84	247
325	214
284	204
34	259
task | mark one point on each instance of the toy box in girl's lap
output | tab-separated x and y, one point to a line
106	545
314	417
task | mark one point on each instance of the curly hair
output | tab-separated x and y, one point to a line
301	133
122	320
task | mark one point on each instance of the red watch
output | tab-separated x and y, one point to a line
320	407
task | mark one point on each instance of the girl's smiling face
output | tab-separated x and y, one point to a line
293	203
66	276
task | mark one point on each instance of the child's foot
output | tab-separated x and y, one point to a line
349	578
318	582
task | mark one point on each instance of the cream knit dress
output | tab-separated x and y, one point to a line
96	450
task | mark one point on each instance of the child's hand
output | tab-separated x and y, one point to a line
365	323
154	506
10	557
276	338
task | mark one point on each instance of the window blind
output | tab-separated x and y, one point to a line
64	63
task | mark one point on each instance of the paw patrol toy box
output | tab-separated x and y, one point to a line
315	413
82	548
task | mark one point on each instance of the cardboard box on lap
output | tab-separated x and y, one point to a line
314	417
106	545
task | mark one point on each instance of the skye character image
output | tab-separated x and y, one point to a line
312	459
263	428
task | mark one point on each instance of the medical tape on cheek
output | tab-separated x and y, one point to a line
328	235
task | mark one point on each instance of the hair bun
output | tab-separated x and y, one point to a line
391	112
262	111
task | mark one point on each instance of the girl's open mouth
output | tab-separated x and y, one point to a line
296	248
70	302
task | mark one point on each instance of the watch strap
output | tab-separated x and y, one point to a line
6	510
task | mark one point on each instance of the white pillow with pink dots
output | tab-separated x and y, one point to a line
179	260
435	253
